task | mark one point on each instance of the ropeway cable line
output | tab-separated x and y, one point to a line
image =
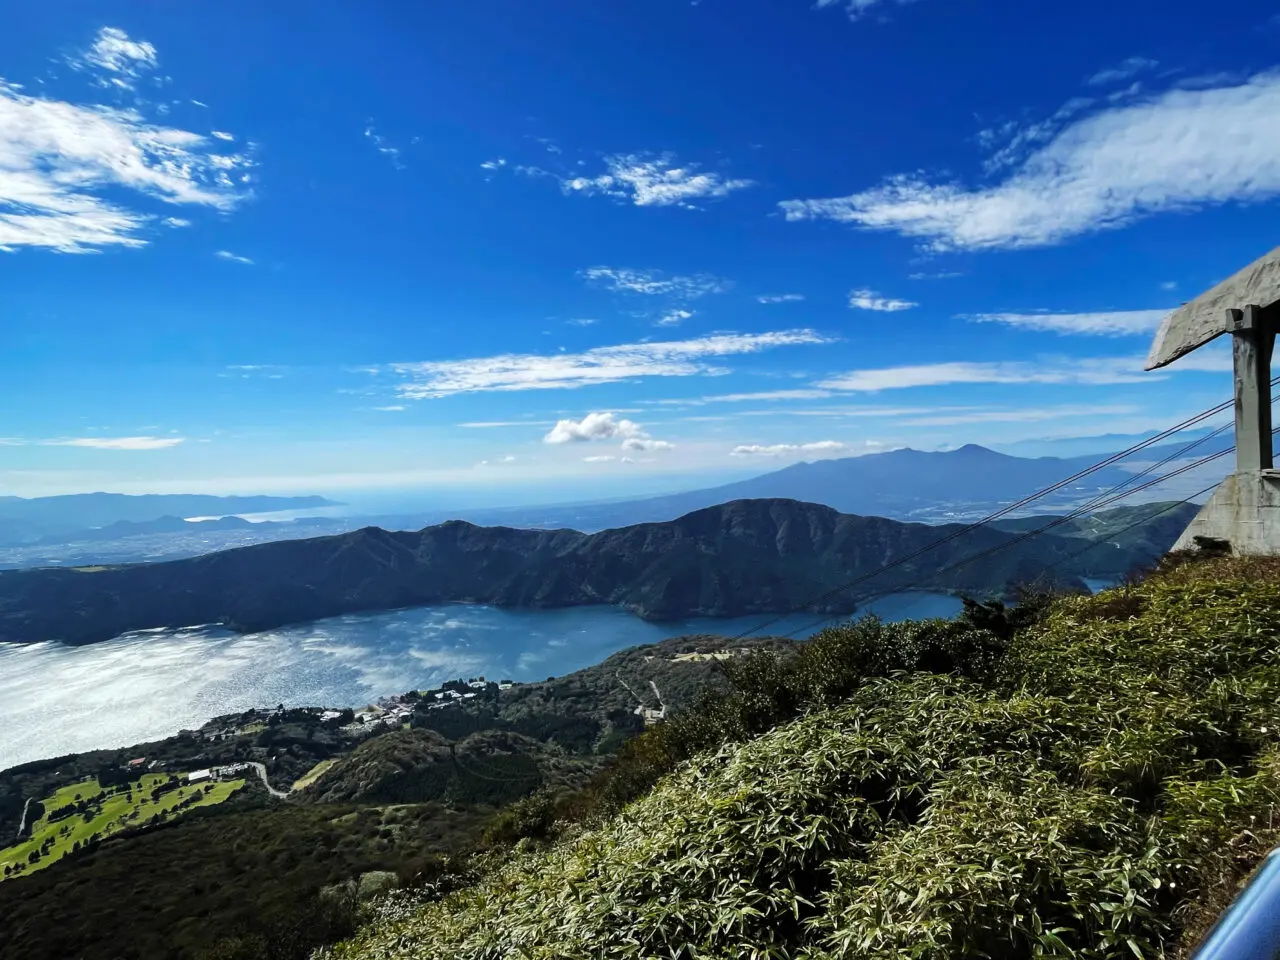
1040	494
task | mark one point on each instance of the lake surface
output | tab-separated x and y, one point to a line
56	699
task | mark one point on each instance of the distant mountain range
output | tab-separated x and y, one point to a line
906	484
27	520
744	557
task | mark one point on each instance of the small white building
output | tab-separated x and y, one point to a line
199	776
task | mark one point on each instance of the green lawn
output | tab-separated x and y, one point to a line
120	809
313	774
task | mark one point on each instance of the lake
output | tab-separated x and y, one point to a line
57	699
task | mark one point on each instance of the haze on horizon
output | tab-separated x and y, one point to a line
525	256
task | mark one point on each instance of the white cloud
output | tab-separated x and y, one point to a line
673	318
594	426
643	445
222	135
67	173
117	443
940	275
501	461
494	164
175	222
655	283
856	9
1022	415
787	449
234	258
392	408
1169	285
582	321
653	180
1125	70
801	394
865	299
490	424
1182	150
1080	370
121	61
603	458
506	372
781	298
1122	323
383	146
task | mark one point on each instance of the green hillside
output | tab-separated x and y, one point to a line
1092	789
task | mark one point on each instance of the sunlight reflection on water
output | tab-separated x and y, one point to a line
56	699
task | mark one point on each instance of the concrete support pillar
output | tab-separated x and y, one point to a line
1253	337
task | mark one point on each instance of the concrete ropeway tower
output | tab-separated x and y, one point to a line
1245	509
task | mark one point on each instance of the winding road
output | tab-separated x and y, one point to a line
262	775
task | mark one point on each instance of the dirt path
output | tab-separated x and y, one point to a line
22	824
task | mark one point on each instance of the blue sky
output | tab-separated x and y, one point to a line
513	250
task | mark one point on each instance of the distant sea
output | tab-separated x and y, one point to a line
57	699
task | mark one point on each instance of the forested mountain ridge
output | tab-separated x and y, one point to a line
744	557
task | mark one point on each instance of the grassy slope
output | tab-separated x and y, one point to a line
119	810
1078	803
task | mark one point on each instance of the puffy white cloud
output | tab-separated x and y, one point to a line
494	164
234	258
654	283
70	174
865	299
788	449
1119	323
594	426
1181	150
653	180
506	372
781	298
644	445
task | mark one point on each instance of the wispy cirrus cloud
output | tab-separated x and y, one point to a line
788	449
98	443
512	372
857	9
654	180
383	146
1125	70
673	318
945	418
72	175
866	299
234	258
1118	323
781	298
116	60
1178	151
655	283
1081	370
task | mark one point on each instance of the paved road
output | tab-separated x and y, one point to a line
262	774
